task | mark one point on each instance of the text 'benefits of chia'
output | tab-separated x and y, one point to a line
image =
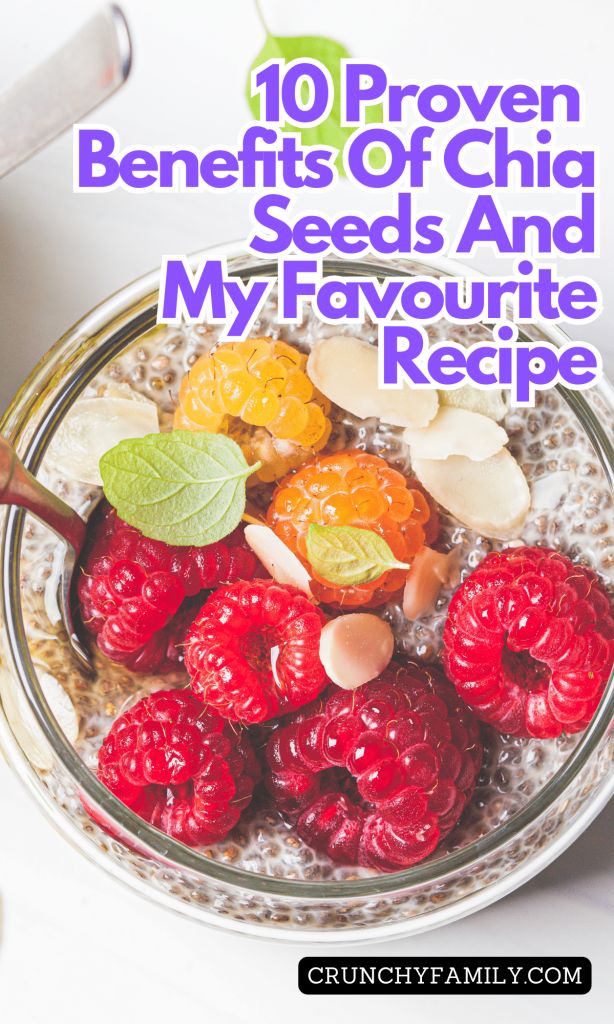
393	137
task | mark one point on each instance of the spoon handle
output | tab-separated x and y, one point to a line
77	78
19	487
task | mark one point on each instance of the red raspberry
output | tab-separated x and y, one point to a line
412	748
179	766
253	651
529	642
130	589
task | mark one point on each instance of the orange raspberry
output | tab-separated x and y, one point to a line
352	488
258	392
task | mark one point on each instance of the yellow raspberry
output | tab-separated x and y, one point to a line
271	374
287	355
291	419
227	360
234	390
299	386
245	388
315	429
261	408
202	373
252	350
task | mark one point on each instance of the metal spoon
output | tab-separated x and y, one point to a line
73	81
88	69
19	487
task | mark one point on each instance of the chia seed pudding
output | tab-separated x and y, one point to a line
571	512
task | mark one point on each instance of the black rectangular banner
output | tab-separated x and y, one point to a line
444	976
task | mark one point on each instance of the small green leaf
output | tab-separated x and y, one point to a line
348	556
182	488
329	53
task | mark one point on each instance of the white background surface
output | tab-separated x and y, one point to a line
73	945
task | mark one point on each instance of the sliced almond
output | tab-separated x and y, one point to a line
23	724
123	390
95	425
491	497
277	558
548	491
430	572
489	403
345	369
456	432
355	648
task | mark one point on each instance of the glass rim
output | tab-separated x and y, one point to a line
79	355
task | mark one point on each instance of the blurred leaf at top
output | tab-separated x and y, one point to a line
329	53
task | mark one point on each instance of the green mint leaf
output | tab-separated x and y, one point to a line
182	488
348	556
329	52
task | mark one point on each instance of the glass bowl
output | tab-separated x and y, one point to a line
533	797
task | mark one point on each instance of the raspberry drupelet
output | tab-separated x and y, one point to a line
529	642
257	392
352	488
253	651
179	766
413	750
132	591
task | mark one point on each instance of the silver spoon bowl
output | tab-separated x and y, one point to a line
19	487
